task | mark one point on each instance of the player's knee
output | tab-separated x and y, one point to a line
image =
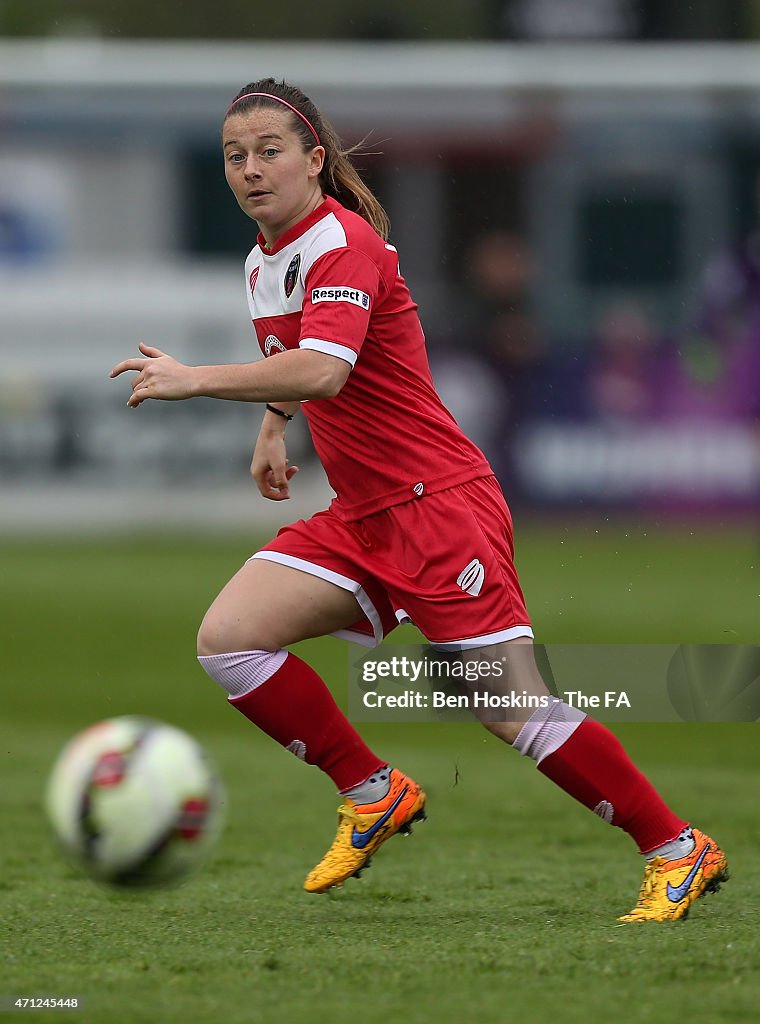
210	638
220	634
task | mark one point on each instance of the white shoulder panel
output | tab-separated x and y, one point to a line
326	235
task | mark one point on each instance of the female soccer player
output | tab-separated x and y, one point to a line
419	529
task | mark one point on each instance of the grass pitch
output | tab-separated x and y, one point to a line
500	908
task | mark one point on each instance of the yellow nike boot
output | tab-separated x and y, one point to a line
671	886
362	830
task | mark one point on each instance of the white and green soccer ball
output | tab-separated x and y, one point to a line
135	802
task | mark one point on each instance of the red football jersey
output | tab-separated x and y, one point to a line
332	284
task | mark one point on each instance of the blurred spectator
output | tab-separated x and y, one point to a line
500	322
494	327
622	367
474	396
714	372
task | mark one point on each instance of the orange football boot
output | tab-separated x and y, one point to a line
671	886
362	830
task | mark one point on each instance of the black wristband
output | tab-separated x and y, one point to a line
279	412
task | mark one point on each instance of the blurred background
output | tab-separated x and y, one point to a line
574	191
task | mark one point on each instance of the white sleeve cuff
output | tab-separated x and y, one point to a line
331	349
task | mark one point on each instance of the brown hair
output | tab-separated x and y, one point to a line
338	177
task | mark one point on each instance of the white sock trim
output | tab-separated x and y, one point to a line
241	672
547	729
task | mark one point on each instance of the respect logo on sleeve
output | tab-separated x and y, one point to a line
340	293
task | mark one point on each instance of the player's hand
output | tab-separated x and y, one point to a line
159	376
270	469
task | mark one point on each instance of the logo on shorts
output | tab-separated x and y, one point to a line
418	489
471	578
291	275
273	344
340	293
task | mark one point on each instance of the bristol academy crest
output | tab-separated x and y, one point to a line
291	275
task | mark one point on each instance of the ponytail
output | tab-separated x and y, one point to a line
341	180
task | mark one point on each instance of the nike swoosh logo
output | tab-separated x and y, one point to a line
361	839
677	893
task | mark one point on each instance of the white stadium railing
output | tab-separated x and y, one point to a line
385	68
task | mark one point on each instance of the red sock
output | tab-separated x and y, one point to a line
295	708
592	766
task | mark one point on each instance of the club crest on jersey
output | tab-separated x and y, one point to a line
252	279
291	275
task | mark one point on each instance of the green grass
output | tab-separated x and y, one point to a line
500	908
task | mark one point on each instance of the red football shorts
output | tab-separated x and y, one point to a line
444	561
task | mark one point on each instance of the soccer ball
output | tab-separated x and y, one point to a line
135	802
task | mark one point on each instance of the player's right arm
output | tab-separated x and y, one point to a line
269	466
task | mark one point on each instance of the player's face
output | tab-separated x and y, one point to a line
274	180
